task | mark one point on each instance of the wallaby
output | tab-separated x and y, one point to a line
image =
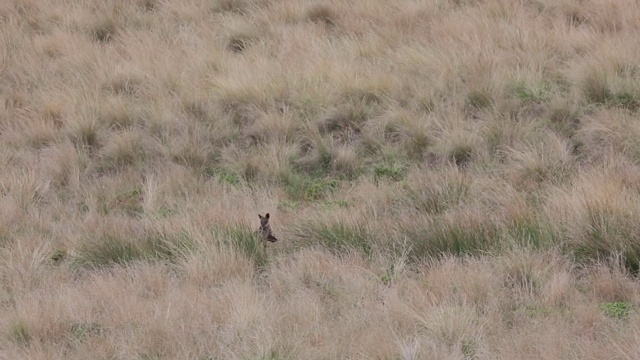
265	229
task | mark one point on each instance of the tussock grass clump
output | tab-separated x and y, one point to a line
550	162
531	92
19	333
452	235
394	171
595	87
532	232
477	99
339	236
231	6
104	30
434	194
200	109
122	249
148	5
239	40
244	240
129	201
598	220
117	114
345	123
123	84
321	13
126	149
301	187
84	132
412	131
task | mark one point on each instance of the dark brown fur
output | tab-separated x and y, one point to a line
265	229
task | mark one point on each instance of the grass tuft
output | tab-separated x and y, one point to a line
301	187
244	240
125	150
595	87
478	99
393	171
231	6
239	41
339	237
320	13
435	195
104	30
81	331
19	333
109	250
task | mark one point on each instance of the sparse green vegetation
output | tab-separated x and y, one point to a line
617	310
19	333
110	250
301	187
243	240
339	236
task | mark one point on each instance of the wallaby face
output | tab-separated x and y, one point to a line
265	229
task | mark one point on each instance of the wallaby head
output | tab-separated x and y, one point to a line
265	229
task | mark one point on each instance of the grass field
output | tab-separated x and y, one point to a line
448	179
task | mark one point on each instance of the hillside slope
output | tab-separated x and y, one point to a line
446	178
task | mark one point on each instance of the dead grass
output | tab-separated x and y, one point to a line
447	179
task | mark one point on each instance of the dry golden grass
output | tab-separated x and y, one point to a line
447	179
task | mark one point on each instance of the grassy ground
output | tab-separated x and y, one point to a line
447	178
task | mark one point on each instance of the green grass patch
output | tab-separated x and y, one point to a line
302	187
223	175
286	205
469	348
339	237
451	237
112	250
227	177
531	232
332	204
531	93
19	333
391	170
81	331
617	310
537	311
244	240
165	212
626	99
388	276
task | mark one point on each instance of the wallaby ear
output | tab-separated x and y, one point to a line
267	216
